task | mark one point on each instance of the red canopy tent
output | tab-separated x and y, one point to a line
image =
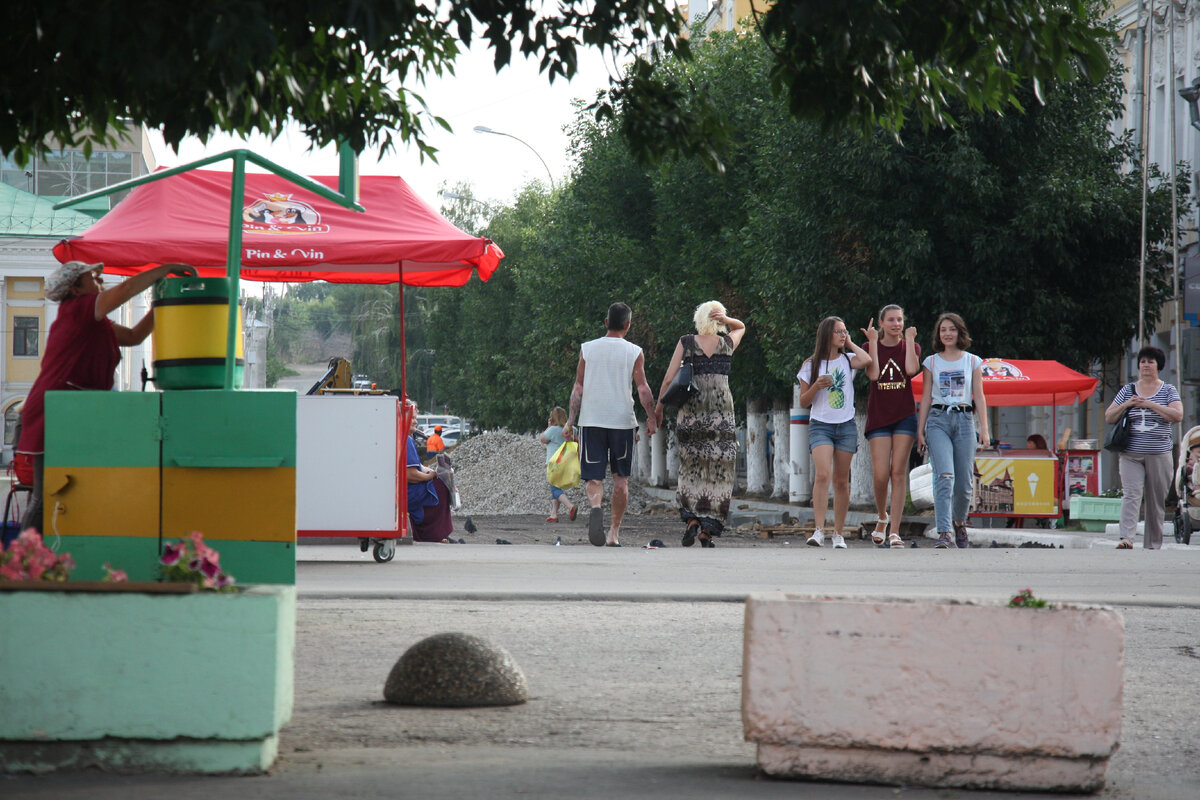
1028	383
288	233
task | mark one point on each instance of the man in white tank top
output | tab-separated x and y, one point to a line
604	405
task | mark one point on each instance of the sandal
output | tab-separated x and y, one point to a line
878	535
574	511
706	540
894	540
1125	544
551	519
689	536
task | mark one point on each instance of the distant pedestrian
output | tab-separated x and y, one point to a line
1145	463
827	386
706	430
951	400
434	444
429	498
603	403
891	417
553	438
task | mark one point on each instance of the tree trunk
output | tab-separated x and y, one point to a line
641	456
658	458
672	459
781	423
757	479
862	476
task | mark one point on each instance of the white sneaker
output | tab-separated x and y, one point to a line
817	539
839	543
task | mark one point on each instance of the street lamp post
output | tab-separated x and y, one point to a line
486	129
467	199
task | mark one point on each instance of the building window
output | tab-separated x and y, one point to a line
11	415
25	336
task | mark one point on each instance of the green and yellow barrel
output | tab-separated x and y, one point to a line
191	322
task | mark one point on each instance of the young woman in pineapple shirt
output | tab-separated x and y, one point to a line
827	386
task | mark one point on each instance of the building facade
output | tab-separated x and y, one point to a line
29	229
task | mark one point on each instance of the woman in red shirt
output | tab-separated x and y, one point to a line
891	417
82	349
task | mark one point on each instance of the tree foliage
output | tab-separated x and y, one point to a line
886	62
1026	224
351	71
343	71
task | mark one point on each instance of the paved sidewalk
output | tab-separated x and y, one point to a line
642	699
768	512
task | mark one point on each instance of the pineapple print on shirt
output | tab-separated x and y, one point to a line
837	392
834	404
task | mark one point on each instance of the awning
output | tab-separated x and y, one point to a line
1028	383
288	234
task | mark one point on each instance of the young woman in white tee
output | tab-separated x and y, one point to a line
827	386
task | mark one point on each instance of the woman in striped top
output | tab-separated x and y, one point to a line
1145	464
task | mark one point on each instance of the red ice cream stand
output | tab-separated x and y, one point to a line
350	451
1021	482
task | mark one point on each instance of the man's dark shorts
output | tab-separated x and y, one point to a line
601	447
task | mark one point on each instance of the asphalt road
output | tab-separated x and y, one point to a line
1168	578
634	657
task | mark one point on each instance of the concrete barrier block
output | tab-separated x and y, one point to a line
961	694
130	680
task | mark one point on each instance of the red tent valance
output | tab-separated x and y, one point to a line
1028	383
288	234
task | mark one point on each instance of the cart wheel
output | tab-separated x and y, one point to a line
364	545
385	550
1183	526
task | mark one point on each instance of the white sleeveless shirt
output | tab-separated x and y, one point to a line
607	383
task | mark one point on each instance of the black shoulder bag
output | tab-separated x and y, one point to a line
1117	438
682	388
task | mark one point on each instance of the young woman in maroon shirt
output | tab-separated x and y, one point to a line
891	417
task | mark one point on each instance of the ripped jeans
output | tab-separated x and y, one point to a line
950	436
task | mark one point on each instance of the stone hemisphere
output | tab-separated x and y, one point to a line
456	670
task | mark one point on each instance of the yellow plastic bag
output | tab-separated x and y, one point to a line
563	470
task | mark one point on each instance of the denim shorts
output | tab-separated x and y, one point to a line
904	427
842	435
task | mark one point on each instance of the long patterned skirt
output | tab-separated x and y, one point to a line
707	438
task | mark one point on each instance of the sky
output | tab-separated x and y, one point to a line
518	101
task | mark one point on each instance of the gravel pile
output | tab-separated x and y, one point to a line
503	473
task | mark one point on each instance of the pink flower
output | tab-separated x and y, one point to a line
224	581
29	538
11	570
114	575
172	553
209	569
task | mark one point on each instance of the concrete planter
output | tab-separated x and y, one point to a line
960	695
130	680
1095	512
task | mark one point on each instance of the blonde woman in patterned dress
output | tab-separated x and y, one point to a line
706	430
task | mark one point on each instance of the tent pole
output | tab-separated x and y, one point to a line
403	342
233	261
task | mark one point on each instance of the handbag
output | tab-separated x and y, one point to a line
1117	438
682	389
563	469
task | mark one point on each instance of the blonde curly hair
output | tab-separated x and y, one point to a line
705	324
